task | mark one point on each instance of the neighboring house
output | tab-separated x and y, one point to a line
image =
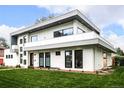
69	42
10	58
1	55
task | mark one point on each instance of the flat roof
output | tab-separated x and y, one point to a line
75	14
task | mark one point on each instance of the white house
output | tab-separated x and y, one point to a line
10	58
69	41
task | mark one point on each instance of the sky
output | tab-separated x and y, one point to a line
109	18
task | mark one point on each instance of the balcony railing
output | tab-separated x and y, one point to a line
66	39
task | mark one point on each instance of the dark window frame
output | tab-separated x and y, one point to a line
24	53
21	60
66	29
21	49
24	61
62	32
58	53
75	59
11	56
66	59
21	41
24	39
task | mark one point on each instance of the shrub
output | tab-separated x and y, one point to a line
18	66
119	60
30	67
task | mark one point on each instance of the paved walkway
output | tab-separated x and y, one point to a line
8	69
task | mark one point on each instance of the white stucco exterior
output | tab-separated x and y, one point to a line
85	38
10	61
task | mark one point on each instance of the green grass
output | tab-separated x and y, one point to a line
39	78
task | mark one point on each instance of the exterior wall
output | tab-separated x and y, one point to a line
109	59
10	61
48	33
99	58
59	61
98	52
88	59
22	45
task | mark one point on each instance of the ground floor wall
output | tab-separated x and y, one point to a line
92	58
102	57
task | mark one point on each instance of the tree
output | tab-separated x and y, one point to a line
3	43
120	52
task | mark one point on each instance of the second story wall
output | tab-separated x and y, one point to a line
49	32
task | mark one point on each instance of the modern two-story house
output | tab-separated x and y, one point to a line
69	42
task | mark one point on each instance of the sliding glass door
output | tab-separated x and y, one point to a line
41	59
78	59
47	59
44	59
68	58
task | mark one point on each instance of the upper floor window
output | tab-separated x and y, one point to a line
24	38
21	49
79	31
63	32
34	38
58	33
68	31
20	41
24	53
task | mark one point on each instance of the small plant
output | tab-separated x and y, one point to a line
18	66
30	67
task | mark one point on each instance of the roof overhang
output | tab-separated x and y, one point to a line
89	42
75	14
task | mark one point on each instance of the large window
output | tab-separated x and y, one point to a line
68	31
78	58
63	32
68	58
58	33
34	38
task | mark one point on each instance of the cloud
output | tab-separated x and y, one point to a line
6	30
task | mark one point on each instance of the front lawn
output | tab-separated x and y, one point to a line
39	78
